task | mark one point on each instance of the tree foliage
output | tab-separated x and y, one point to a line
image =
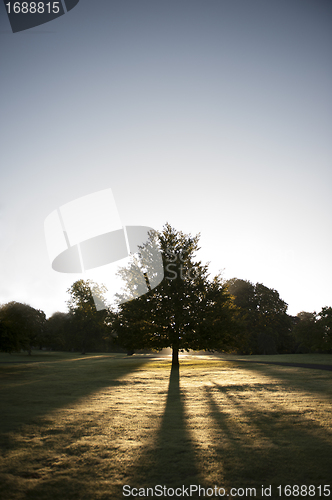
185	311
306	332
88	327
265	325
21	327
58	332
325	328
313	332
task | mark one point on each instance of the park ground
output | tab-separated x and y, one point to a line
81	427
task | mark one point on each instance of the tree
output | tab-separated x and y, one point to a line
10	338
88	326
243	294
185	311
22	327
274	325
325	328
58	331
306	332
266	327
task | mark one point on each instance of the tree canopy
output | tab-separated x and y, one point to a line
87	325
265	325
325	326
21	327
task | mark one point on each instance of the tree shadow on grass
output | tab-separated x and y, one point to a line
46	454
313	381
30	393
171	460
265	444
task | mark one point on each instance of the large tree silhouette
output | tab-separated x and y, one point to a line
185	311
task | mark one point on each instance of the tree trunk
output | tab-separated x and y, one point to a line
175	356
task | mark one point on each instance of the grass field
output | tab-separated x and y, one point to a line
82	427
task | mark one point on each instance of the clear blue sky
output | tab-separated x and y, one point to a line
213	115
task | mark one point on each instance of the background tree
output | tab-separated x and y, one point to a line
325	329
89	327
10	336
185	311
266	327
306	332
274	325
58	332
243	293
22	327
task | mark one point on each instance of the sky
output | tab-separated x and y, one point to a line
212	115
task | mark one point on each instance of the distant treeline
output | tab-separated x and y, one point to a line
261	325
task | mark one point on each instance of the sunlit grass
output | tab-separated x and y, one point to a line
260	426
78	427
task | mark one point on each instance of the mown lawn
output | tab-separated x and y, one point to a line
82	427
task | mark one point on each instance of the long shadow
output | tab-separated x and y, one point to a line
307	383
266	446
29	393
174	450
311	366
172	459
